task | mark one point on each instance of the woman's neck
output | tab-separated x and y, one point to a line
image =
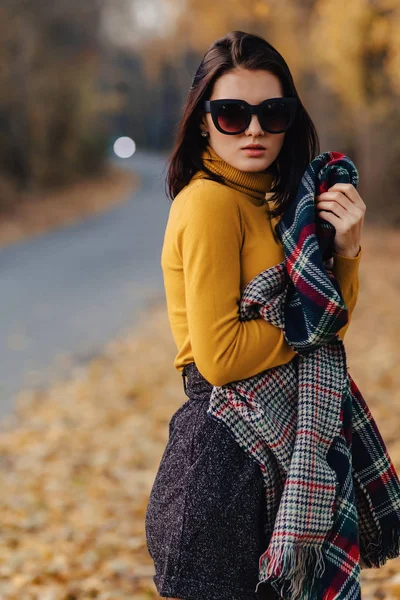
256	185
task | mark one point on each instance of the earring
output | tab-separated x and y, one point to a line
204	133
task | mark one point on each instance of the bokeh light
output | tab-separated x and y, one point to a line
124	147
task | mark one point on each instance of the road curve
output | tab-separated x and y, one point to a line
70	291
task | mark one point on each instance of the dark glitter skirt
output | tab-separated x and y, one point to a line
206	519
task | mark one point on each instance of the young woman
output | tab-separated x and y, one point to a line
244	134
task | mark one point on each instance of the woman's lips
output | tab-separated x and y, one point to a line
254	151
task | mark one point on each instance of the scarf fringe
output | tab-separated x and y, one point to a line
299	565
374	555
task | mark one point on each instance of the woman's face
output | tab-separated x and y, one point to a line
253	87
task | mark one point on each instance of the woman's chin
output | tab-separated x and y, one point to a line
254	165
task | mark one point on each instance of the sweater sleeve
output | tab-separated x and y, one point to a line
225	349
346	271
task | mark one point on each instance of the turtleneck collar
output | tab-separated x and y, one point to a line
256	185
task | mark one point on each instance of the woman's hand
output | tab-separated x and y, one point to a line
343	206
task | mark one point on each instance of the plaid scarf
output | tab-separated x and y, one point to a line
332	493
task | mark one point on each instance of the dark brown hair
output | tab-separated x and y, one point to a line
301	143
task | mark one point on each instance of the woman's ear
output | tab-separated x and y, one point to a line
203	123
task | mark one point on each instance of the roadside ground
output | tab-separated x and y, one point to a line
35	214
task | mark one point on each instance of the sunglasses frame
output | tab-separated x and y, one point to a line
212	107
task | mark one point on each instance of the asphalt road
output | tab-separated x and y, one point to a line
68	292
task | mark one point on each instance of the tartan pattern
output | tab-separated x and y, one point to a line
332	493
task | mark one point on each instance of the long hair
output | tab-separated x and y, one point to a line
301	143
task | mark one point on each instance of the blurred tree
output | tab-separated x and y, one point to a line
355	48
50	106
126	71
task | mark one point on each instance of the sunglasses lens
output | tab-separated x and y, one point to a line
232	117
275	116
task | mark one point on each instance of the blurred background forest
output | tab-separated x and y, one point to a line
74	75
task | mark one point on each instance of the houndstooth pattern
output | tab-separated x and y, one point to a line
332	494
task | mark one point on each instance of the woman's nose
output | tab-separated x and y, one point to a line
254	126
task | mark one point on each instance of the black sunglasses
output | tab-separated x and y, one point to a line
276	115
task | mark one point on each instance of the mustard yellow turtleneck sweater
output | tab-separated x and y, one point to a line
218	237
